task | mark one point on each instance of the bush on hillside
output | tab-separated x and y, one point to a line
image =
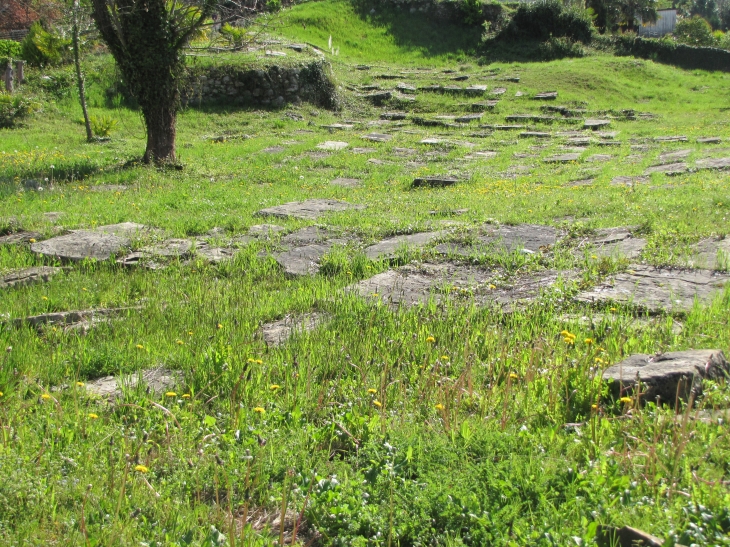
560	48
9	49
43	48
13	108
542	20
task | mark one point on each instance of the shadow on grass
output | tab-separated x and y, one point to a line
503	51
429	33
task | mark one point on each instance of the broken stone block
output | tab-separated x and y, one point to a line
388	248
666	376
279	332
82	245
309	209
27	276
157	381
434	182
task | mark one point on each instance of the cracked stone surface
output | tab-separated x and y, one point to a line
170	248
82	245
332	145
26	276
157	380
658	290
419	283
530	238
345	182
71	317
434	182
18	238
309	209
669	168
562	158
613	243
595	124
669	157
265	230
717	163
388	248
279	332
126	229
304	260
668	375
307	236
377	137
710	253
215	254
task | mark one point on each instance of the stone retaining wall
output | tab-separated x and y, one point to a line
269	86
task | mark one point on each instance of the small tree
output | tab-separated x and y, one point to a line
146	38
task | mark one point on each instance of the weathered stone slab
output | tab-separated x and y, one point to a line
528	238
215	254
27	276
482	106
498	91
309	209
468	118
345	182
126	229
671	138
657	290
393	116
580	182
379	97
406	88
377	137
434	182
669	157
158	381
404	151
418	284
279	332
19	238
484	155
709	140
595	124
667	376
475	90
332	145
535	135
562	158
529	118
668	169
460	78
717	163
626	536
388	248
432	141
613	243
338	126
546	96
273	150
358	150
599	158
70	317
265	230
303	260
170	248
82	245
307	236
711	253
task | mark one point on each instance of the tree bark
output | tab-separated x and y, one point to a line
160	122
79	74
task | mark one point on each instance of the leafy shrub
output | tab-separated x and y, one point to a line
14	108
236	36
42	48
694	31
102	126
543	20
559	48
273	5
471	11
9	49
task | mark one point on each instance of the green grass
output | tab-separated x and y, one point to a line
468	435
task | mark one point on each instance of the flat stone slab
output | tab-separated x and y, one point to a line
158	381
309	209
668	375
393	116
710	253
418	284
717	163
528	238
215	255
265	230
562	158
599	158
377	137
345	182
671	138
595	124
332	145
70	317
108	188
658	290
406	88
340	126
273	150
613	243
359	150
27	276
434	182
82	245
709	140
279	332
546	96
668	169
19	238
468	118
486	105
498	91
378	97
669	157
535	135
388	248
170	248
307	236
304	260
126	229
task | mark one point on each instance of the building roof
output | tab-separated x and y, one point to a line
15	15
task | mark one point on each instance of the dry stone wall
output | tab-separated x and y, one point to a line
270	86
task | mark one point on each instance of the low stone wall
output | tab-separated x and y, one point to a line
269	86
681	55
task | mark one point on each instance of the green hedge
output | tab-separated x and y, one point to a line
672	53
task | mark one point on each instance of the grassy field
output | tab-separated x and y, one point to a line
441	424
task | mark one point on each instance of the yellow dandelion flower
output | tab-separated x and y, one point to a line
186	396
1	394
569	341
625	399
430	339
599	360
377	403
594	407
93	416
140	346
259	409
513	376
190	333
220	326
251	360
588	341
259	362
372	391
142	468
179	342
439	407
45	396
614	309
444	357
31	240
170	394
274	387
44	298
80	384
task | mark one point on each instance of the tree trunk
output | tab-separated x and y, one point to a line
160	121
79	74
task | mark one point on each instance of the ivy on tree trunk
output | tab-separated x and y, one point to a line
146	38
